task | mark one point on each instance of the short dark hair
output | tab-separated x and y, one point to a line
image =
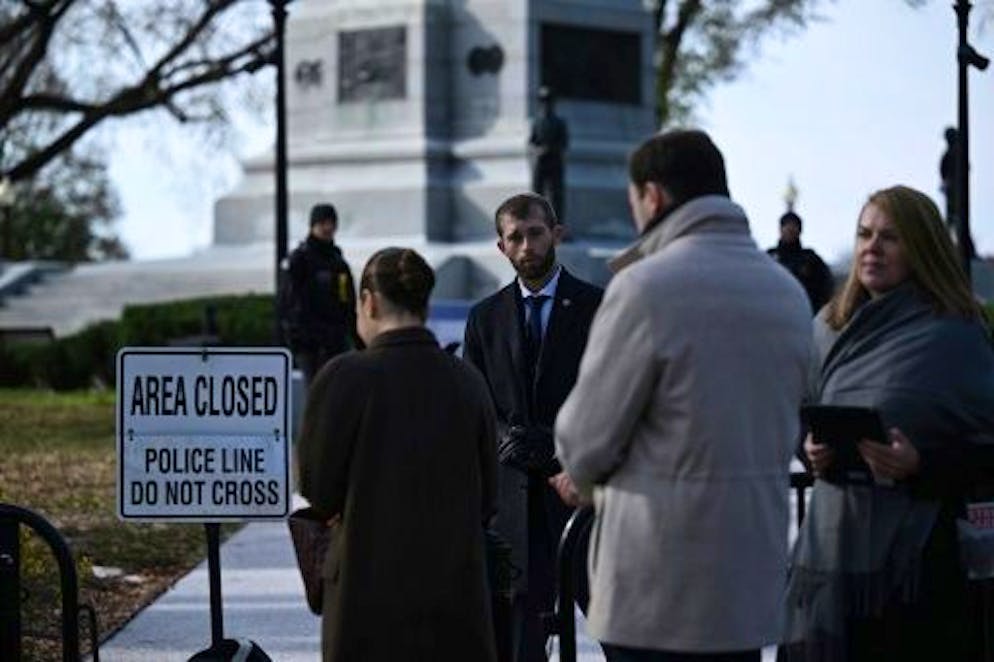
791	217
683	161
323	212
402	277
520	207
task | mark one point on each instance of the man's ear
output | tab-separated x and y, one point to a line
500	244
659	197
558	233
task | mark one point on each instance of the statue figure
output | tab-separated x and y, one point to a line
947	171
547	144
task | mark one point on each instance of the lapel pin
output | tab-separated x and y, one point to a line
566	302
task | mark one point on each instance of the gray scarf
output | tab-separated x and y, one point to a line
932	376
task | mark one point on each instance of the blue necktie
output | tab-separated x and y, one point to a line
535	303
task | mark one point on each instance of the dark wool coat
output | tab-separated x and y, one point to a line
318	302
495	343
399	438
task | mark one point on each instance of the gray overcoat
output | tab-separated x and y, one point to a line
684	417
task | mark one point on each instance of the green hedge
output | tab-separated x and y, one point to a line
87	357
240	320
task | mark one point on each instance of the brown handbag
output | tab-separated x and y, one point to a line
311	537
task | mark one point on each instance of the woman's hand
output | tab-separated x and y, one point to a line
819	455
894	461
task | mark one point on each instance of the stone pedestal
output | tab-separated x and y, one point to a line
412	116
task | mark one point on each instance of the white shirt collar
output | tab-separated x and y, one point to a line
549	289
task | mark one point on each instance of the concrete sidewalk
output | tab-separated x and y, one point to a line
263	601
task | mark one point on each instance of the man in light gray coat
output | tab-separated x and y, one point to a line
684	418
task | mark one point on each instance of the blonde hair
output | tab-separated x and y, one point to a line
931	256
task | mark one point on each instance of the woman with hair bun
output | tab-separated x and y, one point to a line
397	452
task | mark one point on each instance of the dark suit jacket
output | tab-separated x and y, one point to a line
495	344
399	439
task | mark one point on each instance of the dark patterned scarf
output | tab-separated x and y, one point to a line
860	546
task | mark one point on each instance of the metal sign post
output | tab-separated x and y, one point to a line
203	436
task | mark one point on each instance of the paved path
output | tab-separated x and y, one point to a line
263	601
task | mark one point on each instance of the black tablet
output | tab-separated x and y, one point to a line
842	428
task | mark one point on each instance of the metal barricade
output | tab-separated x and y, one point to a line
563	620
800	481
11	519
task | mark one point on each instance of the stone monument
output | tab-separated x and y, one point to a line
413	115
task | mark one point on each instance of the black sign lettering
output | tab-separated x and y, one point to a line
144	493
158	395
232	395
199	400
186	460
243	460
185	492
137	401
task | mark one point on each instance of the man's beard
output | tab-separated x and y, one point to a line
535	270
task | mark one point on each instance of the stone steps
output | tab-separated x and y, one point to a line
68	301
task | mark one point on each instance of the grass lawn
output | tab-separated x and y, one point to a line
58	458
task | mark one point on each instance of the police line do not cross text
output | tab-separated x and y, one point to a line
203	434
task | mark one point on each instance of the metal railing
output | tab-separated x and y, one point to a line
563	620
11	519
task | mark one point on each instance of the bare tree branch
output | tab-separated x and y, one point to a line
55	103
213	8
122	27
134	99
702	42
32	58
192	51
670	41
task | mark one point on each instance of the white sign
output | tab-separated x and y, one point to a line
202	434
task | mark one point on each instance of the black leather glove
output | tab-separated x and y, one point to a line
512	448
529	449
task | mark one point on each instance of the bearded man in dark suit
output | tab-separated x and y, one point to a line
527	340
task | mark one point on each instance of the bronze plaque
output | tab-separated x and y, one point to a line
372	64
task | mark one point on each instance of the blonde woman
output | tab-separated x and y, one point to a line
875	572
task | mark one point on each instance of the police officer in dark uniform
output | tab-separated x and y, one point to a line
547	143
809	269
318	306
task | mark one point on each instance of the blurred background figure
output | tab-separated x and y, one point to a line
317	303
804	263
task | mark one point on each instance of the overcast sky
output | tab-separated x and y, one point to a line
856	102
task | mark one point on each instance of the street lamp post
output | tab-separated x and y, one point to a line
279	22
7	198
965	56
